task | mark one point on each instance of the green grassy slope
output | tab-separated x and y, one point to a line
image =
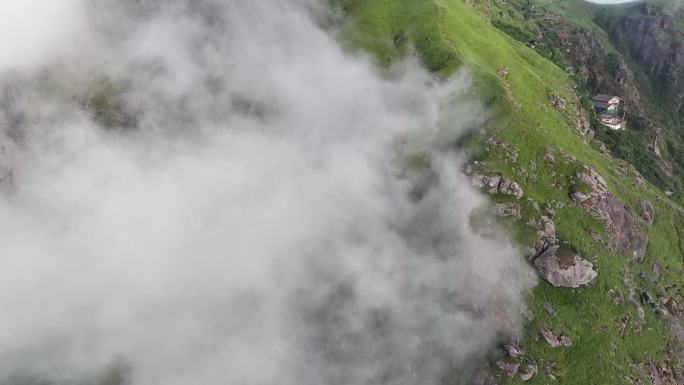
448	34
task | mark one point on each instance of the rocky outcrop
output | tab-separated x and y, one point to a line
583	124
495	184
508	367
512	350
652	37
529	372
508	210
564	268
505	147
625	235
554	340
558	102
597	66
647	211
546	233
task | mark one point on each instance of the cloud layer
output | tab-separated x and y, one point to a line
258	223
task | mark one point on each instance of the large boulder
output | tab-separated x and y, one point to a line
563	268
625	235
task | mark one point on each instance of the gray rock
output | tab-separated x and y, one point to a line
549	309
510	152
529	315
647	211
549	158
512	350
546	233
616	296
558	102
564	269
625	235
554	340
677	331
508	210
529	373
496	184
510	368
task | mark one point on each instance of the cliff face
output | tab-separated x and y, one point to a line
653	36
597	66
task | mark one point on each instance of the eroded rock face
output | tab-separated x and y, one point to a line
595	65
652	37
495	184
625	235
564	269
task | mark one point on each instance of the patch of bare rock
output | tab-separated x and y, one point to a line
625	235
647	211
505	147
508	210
555	340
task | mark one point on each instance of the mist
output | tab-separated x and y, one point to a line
252	205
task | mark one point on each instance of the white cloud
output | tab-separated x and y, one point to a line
33	31
257	226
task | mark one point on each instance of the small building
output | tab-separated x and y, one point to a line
609	111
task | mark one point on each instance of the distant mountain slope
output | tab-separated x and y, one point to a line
533	64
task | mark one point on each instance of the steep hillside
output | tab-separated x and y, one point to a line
629	50
554	183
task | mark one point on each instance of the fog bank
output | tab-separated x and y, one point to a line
213	192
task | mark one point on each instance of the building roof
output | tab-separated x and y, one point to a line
599	104
604	98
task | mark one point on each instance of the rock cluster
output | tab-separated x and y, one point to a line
510	152
558	102
508	210
510	368
564	269
514	364
554	340
495	184
625	235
